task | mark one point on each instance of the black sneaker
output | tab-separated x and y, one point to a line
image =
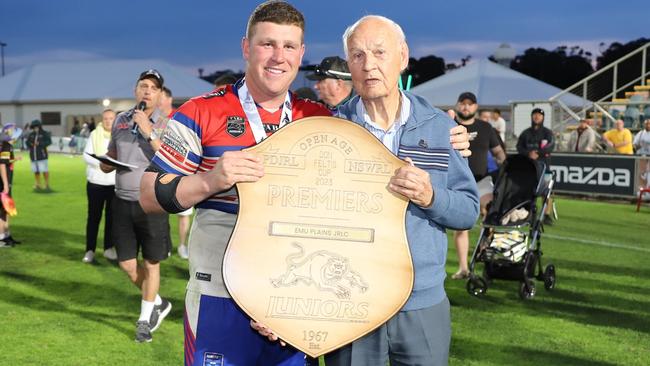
12	241
548	220
142	331
159	313
4	244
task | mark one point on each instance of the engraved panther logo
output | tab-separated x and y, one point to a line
326	270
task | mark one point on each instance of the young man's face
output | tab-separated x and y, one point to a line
466	109
376	57
146	90
273	55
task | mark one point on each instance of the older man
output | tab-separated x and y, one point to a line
332	81
438	183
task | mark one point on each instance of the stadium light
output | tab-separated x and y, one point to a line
2	56
106	102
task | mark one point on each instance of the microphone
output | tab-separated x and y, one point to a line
141	106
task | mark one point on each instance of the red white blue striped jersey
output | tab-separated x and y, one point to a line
205	127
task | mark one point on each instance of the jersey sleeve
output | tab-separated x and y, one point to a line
181	149
5	153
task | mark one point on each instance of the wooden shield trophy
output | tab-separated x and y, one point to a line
319	251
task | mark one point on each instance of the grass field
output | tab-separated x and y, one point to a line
55	310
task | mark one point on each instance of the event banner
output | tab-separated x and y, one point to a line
594	174
319	251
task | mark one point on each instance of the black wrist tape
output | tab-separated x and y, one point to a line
166	193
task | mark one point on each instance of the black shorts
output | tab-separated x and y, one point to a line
133	229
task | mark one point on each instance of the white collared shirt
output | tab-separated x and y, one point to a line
390	138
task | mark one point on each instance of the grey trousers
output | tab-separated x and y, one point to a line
410	338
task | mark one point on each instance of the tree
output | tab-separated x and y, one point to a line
424	69
555	67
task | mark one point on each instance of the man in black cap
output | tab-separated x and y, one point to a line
134	140
482	139
537	142
37	143
333	81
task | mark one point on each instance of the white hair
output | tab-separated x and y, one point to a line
351	29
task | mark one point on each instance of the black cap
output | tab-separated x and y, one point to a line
35	123
331	67
467	95
154	75
537	110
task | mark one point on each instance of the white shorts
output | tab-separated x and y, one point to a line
39	166
485	186
187	212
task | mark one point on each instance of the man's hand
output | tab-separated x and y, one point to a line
533	154
459	139
235	167
266	332
142	120
412	183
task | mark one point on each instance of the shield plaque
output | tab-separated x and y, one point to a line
319	251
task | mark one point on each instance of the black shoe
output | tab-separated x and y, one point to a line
4	244
12	241
159	313
142	331
548	220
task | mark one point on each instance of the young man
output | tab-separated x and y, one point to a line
37	143
483	139
200	161
537	142
134	140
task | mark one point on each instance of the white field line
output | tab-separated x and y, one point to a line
597	242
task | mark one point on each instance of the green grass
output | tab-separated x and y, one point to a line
55	310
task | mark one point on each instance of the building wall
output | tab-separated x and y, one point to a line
24	113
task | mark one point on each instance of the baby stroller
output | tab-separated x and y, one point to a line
509	244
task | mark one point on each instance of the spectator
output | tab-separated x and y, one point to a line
210	187
483	140
9	134
583	138
332	81
642	140
485	116
100	190
184	218
537	142
420	332
499	124
619	138
37	143
76	128
134	140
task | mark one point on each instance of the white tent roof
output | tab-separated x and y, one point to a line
93	80
493	85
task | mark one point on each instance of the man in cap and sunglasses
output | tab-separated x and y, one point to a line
333	81
134	140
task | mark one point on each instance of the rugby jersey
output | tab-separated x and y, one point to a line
205	127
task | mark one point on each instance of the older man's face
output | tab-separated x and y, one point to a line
376	57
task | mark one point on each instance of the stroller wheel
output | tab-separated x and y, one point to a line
476	286
527	291
549	277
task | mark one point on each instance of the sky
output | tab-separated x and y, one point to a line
207	34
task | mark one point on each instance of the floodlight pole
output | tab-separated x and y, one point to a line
2	56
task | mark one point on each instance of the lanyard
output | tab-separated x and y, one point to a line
253	116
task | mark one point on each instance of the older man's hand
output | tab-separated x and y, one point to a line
459	139
412	183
